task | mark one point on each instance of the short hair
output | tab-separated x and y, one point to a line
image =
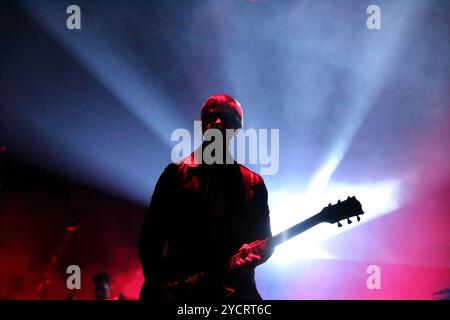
101	277
223	100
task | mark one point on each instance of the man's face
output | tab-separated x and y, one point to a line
220	117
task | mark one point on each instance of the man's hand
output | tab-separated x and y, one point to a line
253	254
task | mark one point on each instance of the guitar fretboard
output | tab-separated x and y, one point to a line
294	230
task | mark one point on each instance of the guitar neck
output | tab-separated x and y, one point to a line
294	230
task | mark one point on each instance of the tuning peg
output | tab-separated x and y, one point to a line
349	221
339	201
348	198
358	218
339	224
329	204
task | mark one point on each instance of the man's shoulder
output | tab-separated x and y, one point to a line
183	165
190	161
250	177
179	170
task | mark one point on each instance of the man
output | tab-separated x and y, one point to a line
202	214
102	283
103	287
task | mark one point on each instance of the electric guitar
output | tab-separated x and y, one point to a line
342	210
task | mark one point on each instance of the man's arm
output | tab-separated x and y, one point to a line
260	230
154	233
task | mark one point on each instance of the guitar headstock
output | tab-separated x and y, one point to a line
342	210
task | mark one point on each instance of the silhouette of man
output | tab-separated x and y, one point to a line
201	214
103	287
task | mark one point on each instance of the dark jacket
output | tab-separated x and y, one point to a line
199	216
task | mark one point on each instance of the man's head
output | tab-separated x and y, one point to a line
103	289
222	112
